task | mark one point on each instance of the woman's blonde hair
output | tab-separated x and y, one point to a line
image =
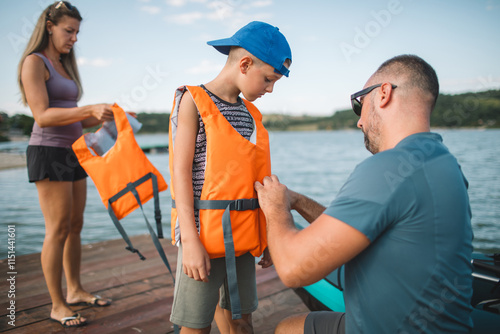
40	39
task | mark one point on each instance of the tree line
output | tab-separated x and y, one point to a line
479	109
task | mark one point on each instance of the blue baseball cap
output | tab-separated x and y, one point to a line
263	41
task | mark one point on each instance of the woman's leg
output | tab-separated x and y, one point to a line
72	249
56	204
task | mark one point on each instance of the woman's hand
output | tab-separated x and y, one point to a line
102	112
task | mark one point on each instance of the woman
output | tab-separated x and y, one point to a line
50	85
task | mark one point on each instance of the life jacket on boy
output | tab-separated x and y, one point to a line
233	164
124	178
231	222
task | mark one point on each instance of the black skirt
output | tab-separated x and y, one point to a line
54	163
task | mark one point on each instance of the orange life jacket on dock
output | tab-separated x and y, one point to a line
233	164
124	177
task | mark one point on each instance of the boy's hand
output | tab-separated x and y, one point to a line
266	260
195	260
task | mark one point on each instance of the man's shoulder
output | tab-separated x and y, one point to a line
416	149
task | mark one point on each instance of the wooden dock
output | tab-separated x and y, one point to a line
141	291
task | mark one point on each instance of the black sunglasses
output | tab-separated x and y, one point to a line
356	104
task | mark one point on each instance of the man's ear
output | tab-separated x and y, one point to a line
245	63
385	94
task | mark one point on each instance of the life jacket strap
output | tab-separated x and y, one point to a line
228	206
234	205
131	187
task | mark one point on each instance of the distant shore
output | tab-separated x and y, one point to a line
12	160
9	160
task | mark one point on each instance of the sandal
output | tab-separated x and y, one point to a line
64	320
93	302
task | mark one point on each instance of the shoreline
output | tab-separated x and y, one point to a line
12	160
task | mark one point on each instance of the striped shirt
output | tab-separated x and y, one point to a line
241	120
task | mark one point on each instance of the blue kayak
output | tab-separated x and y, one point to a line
327	294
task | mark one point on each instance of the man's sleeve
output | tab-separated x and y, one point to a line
363	200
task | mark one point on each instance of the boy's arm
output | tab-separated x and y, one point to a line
195	259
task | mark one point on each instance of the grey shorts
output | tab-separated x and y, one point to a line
195	302
325	322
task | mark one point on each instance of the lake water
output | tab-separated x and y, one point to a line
313	163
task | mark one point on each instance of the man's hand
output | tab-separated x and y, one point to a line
273	196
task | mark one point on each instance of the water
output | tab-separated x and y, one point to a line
313	163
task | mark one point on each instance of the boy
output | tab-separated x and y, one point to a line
218	149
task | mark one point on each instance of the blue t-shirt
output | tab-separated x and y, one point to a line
416	275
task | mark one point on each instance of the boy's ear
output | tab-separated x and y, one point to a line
245	63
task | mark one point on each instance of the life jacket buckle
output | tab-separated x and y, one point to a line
245	204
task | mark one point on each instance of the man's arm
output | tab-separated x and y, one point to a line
305	206
303	257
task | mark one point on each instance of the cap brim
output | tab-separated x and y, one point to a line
223	45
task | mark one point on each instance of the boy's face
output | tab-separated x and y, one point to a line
259	80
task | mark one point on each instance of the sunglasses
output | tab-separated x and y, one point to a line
60	4
65	4
356	104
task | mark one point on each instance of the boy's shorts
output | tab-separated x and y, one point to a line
195	301
325	322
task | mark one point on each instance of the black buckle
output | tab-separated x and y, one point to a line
245	204
158	215
135	250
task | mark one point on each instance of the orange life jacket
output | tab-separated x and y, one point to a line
233	164
122	177
231	222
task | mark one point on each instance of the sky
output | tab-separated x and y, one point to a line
137	52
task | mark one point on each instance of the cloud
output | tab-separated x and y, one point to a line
481	83
234	12
206	66
176	3
151	9
261	3
96	62
180	3
186	18
490	5
221	10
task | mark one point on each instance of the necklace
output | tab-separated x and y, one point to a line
50	60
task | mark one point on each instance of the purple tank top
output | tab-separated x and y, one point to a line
62	94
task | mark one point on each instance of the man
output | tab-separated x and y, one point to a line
401	223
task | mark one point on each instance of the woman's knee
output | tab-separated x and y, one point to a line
57	233
76	225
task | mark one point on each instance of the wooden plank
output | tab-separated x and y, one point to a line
142	292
